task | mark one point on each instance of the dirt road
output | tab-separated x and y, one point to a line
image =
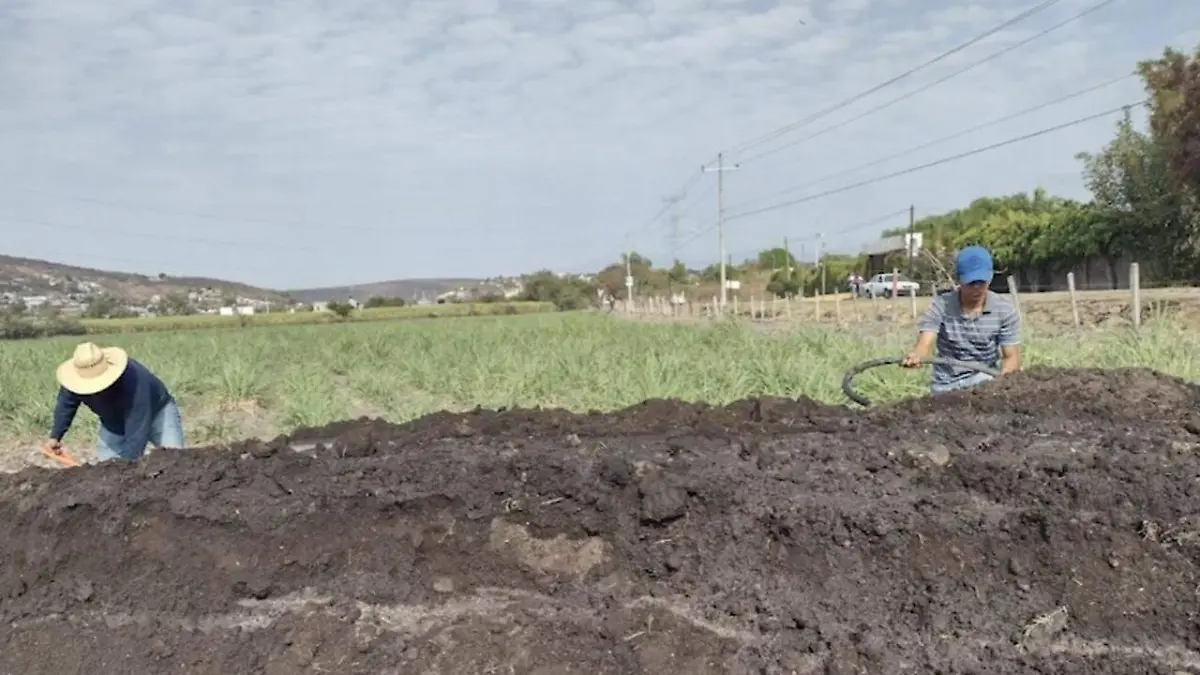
1046	524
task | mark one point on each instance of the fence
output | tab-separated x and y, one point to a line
1072	307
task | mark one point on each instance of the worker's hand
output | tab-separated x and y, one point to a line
911	360
52	445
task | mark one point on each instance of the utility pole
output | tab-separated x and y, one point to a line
676	218
787	259
820	249
912	227
629	272
721	169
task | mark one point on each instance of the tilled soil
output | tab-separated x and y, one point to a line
1049	523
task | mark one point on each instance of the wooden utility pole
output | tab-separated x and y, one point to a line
912	228
820	260
721	169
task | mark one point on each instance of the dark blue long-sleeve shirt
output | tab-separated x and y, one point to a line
126	409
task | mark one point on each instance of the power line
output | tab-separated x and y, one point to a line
939	141
700	196
849	228
883	106
875	221
838	106
927	165
678	195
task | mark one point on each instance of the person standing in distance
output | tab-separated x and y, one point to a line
133	404
971	323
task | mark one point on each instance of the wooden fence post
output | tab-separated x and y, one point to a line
1135	288
895	290
1012	291
1074	300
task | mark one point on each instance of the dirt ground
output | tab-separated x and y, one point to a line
1049	523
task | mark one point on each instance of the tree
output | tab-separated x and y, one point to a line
174	304
678	274
783	285
566	293
713	272
340	309
645	278
776	259
1146	211
1173	85
102	307
380	301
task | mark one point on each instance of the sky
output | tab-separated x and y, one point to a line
318	142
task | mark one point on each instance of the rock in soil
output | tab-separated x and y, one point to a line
1042	524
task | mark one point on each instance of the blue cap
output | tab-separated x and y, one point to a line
973	264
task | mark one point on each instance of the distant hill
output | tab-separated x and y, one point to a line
32	277
408	289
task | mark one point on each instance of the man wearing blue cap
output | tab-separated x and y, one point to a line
971	323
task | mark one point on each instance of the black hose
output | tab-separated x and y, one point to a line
848	380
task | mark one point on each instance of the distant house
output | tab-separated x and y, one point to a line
459	295
322	306
227	311
245	310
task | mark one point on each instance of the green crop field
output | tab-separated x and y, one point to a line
235	384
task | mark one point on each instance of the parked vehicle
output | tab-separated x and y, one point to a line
882	285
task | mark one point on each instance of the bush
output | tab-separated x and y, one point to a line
567	294
12	328
381	301
782	286
340	309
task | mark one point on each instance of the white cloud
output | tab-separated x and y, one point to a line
442	138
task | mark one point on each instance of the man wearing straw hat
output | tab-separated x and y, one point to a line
133	404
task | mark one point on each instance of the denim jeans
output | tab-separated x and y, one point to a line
166	431
974	380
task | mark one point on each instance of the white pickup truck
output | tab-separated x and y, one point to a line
881	285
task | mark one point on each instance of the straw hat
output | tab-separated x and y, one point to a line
92	369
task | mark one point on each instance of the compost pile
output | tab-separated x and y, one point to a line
1049	523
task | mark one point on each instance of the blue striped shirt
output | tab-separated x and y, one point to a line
975	339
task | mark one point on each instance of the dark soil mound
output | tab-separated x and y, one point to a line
1046	524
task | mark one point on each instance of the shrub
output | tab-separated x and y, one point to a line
12	328
782	286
